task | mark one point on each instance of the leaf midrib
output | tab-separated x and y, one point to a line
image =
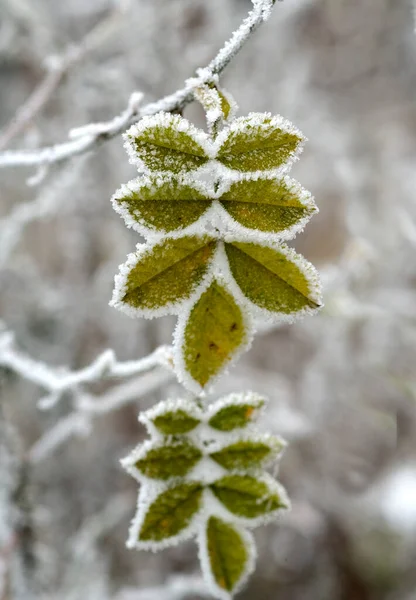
197	489
174	264
311	302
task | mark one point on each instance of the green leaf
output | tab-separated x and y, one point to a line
175	422
157	204
247	454
168	272
214	331
171	512
270	205
227	553
170	460
166	142
235	416
258	142
225	104
270	278
247	496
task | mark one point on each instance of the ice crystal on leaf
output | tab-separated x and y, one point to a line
215	208
202	475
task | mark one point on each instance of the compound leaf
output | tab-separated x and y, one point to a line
247	454
174	459
160	204
214	331
168	272
258	142
166	142
247	496
228	554
171	512
269	205
273	278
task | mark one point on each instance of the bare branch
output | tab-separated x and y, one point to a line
57	68
79	422
173	102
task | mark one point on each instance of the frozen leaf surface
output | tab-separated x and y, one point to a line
175	422
274	279
269	205
258	142
236	413
160	204
166	143
171	512
228	554
247	496
247	454
214	331
170	460
168	272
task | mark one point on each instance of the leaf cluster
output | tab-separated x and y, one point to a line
215	209
202	474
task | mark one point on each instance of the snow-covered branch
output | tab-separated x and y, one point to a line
56	69
57	380
93	135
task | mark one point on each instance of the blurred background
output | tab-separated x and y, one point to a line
342	385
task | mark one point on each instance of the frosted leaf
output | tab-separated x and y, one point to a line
259	142
167	143
248	453
158	278
250	497
227	554
208	338
171	417
167	460
274	278
170	514
269	205
164	204
235	411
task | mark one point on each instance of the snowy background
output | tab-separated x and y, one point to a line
342	385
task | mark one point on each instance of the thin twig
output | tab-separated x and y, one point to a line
173	102
89	407
57	68
57	380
